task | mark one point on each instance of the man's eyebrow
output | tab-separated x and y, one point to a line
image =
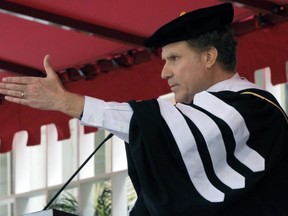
169	55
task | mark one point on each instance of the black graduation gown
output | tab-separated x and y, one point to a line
157	164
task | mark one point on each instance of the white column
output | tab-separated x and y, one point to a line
119	195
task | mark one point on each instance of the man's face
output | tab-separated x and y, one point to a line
185	70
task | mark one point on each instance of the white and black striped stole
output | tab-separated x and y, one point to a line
199	131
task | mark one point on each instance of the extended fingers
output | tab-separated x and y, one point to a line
8	85
18	100
13	89
19	80
13	93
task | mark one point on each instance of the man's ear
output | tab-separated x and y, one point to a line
211	56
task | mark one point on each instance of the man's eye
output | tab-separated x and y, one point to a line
173	58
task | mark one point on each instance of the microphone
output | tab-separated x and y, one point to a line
76	172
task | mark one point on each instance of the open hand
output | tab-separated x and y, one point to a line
41	93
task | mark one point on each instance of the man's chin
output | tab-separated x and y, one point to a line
184	100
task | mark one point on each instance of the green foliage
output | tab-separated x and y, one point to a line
66	203
104	202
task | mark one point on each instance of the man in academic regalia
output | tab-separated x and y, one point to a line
220	150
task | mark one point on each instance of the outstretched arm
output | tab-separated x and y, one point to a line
42	93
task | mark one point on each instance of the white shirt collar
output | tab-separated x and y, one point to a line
235	83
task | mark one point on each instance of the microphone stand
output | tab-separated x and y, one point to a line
76	172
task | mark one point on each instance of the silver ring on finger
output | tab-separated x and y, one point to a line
22	94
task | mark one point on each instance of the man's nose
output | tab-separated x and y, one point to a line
166	72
